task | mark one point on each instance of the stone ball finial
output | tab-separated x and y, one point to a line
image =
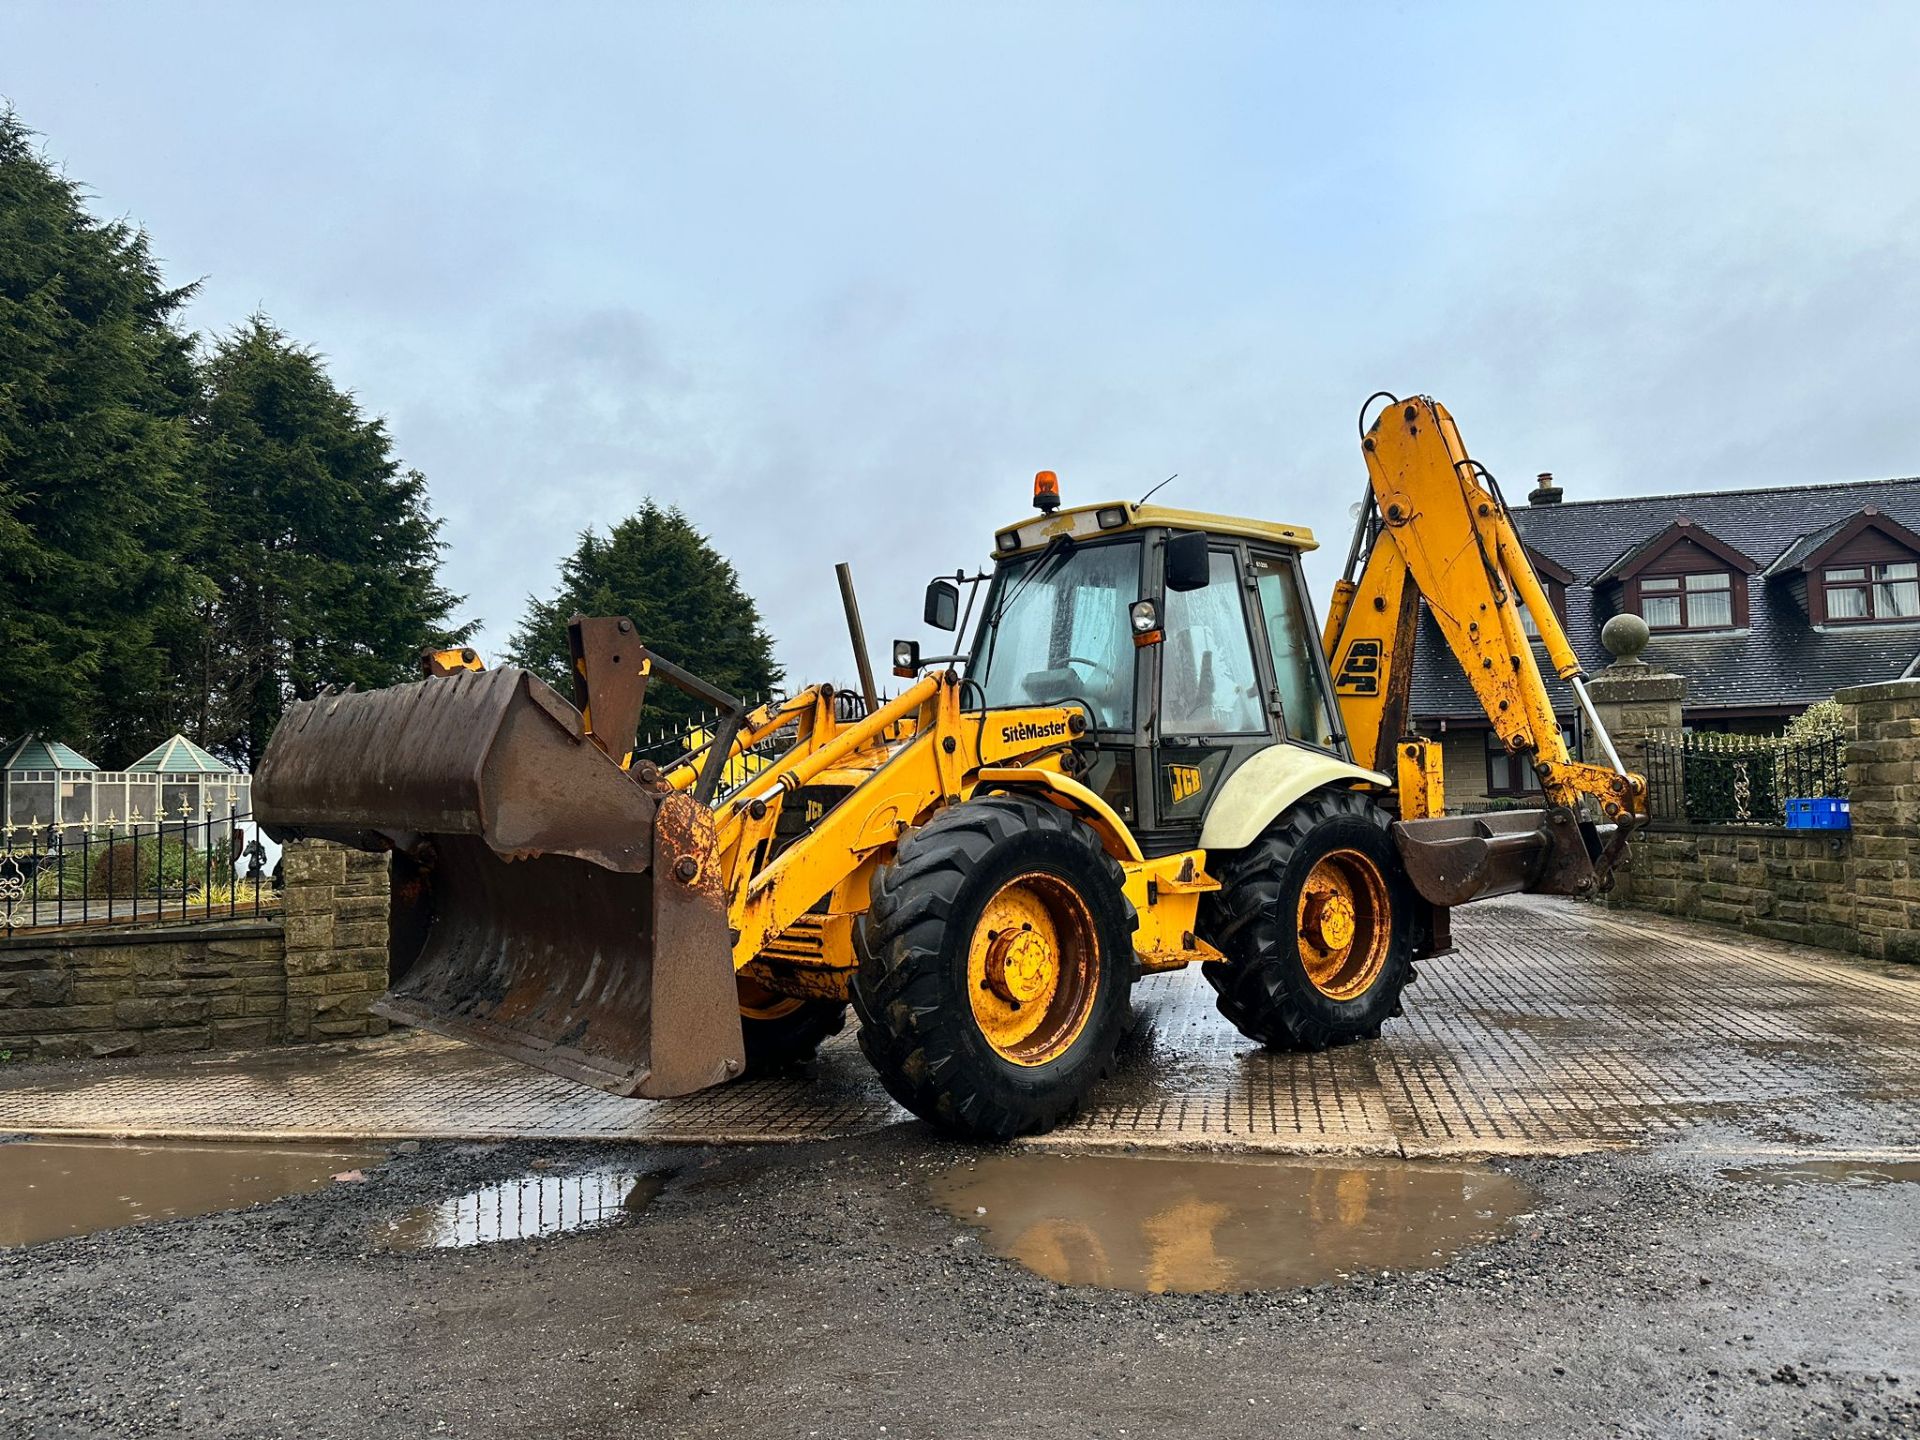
1625	636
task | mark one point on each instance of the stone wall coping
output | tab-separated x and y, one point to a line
1885	690
1740	832
143	933
1635	684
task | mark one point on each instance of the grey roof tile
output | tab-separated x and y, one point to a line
1780	660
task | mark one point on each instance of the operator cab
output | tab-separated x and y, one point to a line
1187	639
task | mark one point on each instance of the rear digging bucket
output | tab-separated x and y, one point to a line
1456	859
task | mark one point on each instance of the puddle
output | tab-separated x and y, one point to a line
521	1209
1858	1174
1190	1224
50	1189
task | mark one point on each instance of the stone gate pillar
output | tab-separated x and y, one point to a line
1882	729
1636	701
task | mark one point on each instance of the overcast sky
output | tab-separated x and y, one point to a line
837	280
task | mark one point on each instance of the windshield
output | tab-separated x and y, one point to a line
1056	630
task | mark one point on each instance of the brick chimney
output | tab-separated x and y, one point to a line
1544	491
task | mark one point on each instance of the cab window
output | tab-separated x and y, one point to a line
1057	632
1208	684
1296	670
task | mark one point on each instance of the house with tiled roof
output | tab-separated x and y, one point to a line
1765	601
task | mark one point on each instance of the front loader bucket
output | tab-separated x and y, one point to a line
544	904
1455	859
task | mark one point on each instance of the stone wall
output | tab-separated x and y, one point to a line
336	941
1785	884
1856	890
309	974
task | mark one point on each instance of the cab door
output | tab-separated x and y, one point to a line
1299	686
1212	706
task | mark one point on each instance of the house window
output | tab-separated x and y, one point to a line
1687	602
1508	774
1513	774
1556	598
1873	592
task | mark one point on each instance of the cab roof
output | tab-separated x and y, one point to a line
1083	522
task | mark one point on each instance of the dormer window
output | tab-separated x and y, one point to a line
1683	579
1873	592
1863	569
1687	602
1554	579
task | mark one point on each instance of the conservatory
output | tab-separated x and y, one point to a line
44	784
49	786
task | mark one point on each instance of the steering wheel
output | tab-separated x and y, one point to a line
1111	673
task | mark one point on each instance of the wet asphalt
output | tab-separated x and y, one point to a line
818	1290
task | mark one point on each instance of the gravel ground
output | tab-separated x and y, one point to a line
815	1290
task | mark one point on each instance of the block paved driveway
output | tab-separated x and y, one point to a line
1555	1027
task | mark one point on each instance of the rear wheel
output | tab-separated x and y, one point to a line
781	1030
996	960
1316	920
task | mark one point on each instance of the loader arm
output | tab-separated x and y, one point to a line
1435	528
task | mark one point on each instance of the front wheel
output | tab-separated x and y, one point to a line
995	967
1316	920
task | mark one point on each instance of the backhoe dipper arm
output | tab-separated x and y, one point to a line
1437	529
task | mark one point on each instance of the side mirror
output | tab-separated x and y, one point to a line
1188	565
942	610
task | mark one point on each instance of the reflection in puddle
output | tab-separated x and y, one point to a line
1165	1224
54	1188
523	1208
1856	1173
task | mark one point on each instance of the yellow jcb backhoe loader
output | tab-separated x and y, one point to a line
1146	758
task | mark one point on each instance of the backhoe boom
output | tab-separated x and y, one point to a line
1436	529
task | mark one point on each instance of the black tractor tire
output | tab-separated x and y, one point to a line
913	993
788	1036
1265	987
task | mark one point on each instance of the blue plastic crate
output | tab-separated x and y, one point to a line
1819	814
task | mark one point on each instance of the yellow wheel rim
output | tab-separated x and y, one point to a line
1033	969
1344	923
759	1003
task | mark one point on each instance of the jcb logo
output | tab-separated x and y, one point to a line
814	811
1184	780
1360	671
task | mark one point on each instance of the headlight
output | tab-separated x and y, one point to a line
906	658
1110	517
1007	540
1145	615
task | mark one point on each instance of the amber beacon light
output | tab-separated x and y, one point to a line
1046	491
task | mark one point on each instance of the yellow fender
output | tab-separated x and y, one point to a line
1253	796
1069	794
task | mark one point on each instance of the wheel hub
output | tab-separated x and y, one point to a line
1345	927
1021	964
1033	966
1330	917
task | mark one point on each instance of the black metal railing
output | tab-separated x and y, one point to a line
167	871
1711	779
